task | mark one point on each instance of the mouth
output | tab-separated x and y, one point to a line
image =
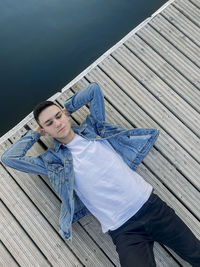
61	129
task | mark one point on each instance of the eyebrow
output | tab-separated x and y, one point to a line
52	118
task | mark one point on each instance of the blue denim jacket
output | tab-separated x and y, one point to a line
132	145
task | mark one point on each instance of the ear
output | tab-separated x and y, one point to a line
41	130
44	133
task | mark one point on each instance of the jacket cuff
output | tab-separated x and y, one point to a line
68	105
65	235
35	135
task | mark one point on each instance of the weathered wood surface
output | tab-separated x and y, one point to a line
5	257
152	80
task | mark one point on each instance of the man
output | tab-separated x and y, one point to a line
92	168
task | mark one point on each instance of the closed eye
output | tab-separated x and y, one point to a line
58	115
49	123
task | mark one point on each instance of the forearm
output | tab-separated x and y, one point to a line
91	94
15	157
20	148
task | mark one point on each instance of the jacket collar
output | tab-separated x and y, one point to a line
57	145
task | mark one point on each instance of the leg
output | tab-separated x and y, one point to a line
139	255
133	244
171	231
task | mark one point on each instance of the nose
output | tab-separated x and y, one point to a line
57	123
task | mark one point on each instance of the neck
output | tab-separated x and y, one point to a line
66	140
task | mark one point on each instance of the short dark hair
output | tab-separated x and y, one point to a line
40	107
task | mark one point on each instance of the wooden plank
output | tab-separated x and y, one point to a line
176	38
49	205
184	24
195	3
39	230
165	71
19	244
6	258
20	132
172	101
171	55
152	106
189	10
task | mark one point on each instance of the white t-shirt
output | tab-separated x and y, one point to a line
105	184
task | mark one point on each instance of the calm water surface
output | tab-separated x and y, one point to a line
45	44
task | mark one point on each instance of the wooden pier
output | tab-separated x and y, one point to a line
150	79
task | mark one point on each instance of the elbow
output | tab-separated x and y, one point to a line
96	88
9	161
6	159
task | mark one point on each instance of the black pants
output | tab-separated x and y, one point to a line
155	221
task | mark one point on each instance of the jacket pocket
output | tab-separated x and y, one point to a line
56	177
135	143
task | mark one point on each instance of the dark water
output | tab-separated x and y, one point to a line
44	44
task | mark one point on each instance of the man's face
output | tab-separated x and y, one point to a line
55	122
